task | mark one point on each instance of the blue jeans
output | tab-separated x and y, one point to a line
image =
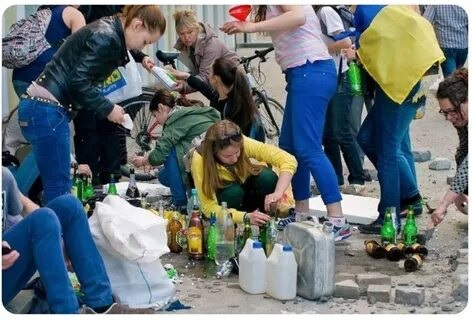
309	88
46	127
385	138
38	240
26	174
338	137
170	176
455	58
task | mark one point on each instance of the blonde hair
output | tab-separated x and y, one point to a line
151	16
185	18
220	131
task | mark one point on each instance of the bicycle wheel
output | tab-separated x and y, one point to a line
272	114
140	139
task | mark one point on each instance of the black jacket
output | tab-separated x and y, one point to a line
86	59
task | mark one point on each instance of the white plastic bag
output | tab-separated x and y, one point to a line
131	241
124	83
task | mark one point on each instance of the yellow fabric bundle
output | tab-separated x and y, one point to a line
397	49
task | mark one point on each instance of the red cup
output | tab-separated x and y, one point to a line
240	12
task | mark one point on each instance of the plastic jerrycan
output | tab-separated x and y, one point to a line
281	274
252	268
313	247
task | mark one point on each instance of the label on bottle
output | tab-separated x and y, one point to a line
181	238
195	240
164	76
390	246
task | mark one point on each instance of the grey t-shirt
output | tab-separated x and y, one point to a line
11	201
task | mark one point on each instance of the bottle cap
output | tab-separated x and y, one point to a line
287	248
256	245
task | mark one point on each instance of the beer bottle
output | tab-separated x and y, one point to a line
88	189
374	249
271	237
195	235
77	184
211	240
355	78
393	253
420	249
406	250
247	234
410	230
387	231
112	185
173	230
413	263
132	190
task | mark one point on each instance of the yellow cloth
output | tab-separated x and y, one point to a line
397	49
254	150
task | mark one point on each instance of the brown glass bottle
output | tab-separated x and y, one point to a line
406	250
413	263
393	253
420	249
173	230
374	249
195	237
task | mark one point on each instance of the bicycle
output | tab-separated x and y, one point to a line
271	110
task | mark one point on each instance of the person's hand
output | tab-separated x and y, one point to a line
179	87
84	169
10	258
140	161
233	27
117	114
258	218
349	53
271	202
438	215
147	63
178	74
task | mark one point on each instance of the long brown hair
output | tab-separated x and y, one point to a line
455	88
260	13
244	108
152	17
218	137
168	98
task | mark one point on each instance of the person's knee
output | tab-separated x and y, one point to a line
67	206
44	219
233	195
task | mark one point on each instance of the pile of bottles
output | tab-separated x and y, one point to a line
408	248
81	185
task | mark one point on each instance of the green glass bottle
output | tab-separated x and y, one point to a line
410	230
355	78
247	233
77	183
211	240
88	189
271	237
387	231
112	185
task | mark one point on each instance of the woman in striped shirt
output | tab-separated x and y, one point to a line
311	78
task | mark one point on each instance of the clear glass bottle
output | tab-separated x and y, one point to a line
225	235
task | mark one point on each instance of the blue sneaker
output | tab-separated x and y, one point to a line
342	233
282	222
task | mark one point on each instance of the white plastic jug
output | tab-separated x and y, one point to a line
252	268
164	76
282	273
313	247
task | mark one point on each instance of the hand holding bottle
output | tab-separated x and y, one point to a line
258	218
117	115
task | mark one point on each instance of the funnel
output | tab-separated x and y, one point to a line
240	12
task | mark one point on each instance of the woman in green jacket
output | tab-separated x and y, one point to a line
182	120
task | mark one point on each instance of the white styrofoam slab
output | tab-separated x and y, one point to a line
153	189
356	209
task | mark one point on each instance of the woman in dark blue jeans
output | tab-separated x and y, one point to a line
69	83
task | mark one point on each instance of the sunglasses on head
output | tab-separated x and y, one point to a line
225	141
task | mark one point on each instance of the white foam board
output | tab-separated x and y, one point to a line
356	209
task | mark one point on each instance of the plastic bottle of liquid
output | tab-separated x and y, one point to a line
224	248
252	268
282	273
166	78
355	79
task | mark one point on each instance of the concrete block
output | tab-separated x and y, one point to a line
465	243
463	253
422	155
440	164
409	295
366	279
347	289
462	268
339	277
461	285
463	260
379	292
356	209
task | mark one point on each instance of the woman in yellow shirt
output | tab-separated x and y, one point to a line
223	169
